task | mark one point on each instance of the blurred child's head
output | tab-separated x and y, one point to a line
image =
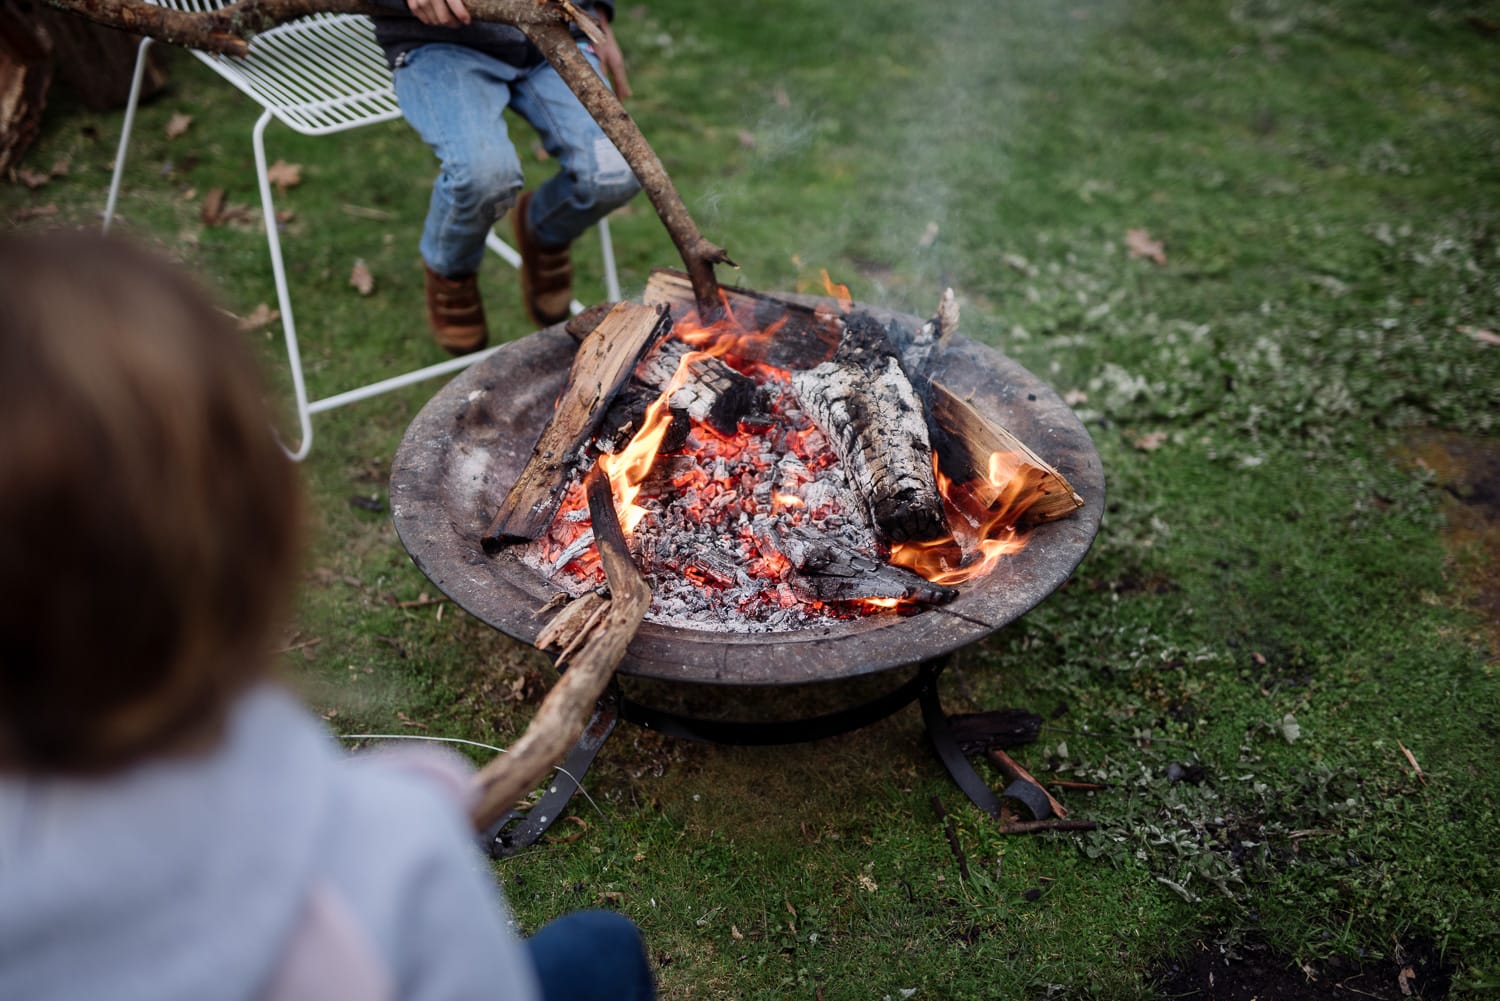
150	520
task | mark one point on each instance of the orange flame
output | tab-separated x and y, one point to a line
837	291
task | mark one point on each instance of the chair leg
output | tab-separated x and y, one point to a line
607	249
283	297
126	126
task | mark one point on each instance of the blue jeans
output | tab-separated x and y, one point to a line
455	98
591	956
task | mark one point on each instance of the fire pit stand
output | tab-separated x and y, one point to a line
469	443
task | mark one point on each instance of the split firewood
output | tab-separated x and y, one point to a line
865	404
930	338
601	632
604	361
980	454
828	570
795	336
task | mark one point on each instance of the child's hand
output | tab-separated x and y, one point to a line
447	13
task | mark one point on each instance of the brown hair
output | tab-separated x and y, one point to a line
151	522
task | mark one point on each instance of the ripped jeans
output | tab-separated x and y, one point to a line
455	98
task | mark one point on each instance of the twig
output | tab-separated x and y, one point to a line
1078	786
953	845
1037	826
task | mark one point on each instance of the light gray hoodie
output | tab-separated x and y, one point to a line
275	868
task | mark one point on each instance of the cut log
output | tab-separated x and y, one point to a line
994	464
791	335
864	403
828	570
605	360
978	733
608	628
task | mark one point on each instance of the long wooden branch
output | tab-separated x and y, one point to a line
565	711
227	30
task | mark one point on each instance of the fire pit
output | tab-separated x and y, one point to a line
470	442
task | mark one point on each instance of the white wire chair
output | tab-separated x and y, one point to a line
319	75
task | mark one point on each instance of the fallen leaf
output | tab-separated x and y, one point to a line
1140	244
1149	441
261	316
735	933
35	212
284	175
1404	979
1290	728
32	179
1480	334
867	884
211	212
62	168
178	124
1073	397
361	279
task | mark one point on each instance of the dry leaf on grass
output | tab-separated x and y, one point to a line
261	316
361	278
284	175
1480	334
61	168
1148	441
211	212
32	179
178	124
35	212
1140	244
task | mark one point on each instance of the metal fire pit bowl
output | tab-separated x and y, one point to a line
469	443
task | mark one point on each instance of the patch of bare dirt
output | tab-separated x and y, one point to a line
1258	973
1467	470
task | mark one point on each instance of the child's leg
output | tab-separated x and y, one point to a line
594	179
591	956
454	97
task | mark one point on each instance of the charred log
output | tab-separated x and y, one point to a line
793	336
865	404
830	571
707	389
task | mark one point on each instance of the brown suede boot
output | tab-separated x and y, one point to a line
546	272
455	312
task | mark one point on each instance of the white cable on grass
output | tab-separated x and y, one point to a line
471	743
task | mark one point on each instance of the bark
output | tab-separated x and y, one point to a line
228	29
25	76
565	711
603	364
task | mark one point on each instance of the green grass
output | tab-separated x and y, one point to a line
1269	599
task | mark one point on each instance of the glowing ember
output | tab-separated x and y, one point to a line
708	523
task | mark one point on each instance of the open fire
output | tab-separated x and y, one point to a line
749	520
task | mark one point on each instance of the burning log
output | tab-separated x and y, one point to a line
604	630
605	360
980	454
864	402
707	389
795	336
828	570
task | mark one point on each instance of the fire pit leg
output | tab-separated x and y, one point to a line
946	745
520	829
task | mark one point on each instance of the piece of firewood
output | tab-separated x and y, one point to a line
864	403
828	570
604	362
972	450
566	709
707	389
771	330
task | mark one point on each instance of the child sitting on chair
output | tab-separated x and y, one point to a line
173	825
